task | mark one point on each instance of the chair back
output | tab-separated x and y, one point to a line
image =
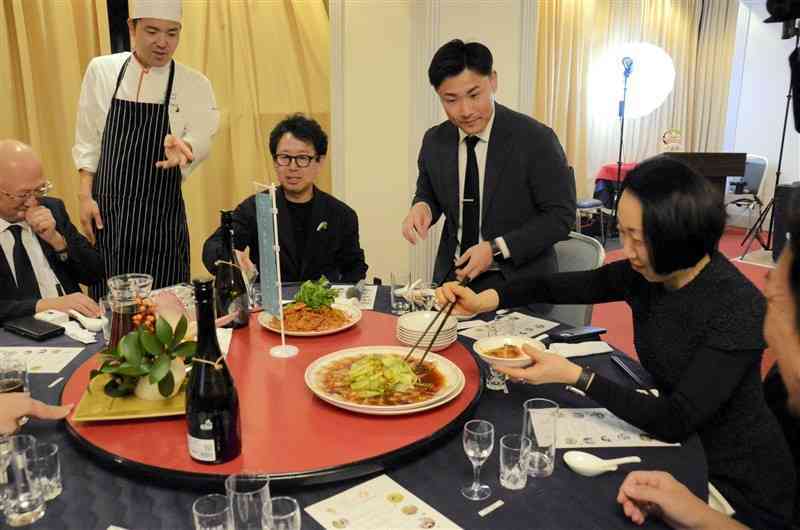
578	253
754	169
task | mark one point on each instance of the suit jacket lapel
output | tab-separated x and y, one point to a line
6	278
286	232
319	214
449	158
496	158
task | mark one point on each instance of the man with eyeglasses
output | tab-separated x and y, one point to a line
317	233
144	124
43	257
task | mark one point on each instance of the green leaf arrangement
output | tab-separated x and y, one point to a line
144	354
316	294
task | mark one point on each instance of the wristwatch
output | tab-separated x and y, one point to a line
497	252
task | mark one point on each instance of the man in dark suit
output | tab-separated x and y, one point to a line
43	257
499	177
317	233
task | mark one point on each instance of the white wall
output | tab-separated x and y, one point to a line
382	103
759	85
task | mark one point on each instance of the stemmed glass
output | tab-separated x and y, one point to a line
478	445
502	326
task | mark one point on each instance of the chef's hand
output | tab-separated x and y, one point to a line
417	222
546	368
43	224
475	261
14	406
90	218
178	153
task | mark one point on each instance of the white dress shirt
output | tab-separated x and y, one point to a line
481	148
45	276
193	114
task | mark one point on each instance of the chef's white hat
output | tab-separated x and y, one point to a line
163	9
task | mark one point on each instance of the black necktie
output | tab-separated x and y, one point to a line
27	286
470	207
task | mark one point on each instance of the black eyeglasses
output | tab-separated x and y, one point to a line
299	160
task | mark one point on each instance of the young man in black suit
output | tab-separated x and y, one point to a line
317	233
43	256
499	177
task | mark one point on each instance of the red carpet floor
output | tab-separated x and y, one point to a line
616	317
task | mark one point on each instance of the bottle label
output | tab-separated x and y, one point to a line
201	449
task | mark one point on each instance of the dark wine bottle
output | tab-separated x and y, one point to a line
212	403
229	287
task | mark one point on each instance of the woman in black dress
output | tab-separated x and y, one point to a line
697	330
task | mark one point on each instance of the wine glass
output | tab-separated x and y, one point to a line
478	445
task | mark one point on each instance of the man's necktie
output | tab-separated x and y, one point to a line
471	205
27	286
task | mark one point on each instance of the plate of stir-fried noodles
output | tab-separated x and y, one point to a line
313	312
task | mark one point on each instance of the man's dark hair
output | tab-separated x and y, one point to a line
455	57
794	242
302	128
683	216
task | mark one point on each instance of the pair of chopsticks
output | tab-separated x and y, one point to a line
447	309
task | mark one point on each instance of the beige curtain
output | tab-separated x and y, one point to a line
699	36
265	59
45	46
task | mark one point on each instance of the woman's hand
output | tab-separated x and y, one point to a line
467	302
546	368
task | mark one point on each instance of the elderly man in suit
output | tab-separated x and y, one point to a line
43	257
499	177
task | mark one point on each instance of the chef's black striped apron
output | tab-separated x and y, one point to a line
144	217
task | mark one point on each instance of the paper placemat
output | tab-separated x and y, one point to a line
526	326
596	428
42	360
380	503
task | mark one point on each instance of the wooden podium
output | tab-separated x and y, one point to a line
716	167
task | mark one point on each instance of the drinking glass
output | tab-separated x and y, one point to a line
247	495
13	375
105	309
478	445
24	503
539	423
515	452
283	514
502	326
8	445
212	512
45	468
424	296
399	297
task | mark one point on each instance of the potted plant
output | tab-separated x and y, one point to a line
148	361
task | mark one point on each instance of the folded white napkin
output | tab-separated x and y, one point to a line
582	348
74	331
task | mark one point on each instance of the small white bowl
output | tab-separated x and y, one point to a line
491	343
417	321
439	346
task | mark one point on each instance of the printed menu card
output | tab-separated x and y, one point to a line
378	503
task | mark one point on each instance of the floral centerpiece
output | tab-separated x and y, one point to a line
148	361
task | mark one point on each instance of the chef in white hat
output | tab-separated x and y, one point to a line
144	123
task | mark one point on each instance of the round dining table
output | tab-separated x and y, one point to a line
106	485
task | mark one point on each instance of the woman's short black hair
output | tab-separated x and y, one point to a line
456	56
683	215
302	128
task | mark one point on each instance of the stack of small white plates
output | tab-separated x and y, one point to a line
411	326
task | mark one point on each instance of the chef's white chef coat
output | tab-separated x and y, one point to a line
193	114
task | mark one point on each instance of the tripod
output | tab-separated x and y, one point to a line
755	231
627	64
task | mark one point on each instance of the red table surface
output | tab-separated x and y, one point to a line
285	428
609	171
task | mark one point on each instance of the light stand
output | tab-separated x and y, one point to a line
789	30
627	63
